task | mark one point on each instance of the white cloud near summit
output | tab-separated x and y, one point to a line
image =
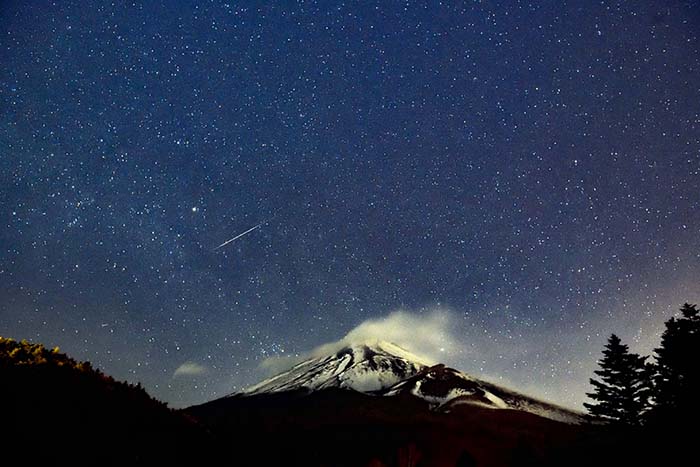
428	335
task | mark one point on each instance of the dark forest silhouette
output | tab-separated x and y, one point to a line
632	392
649	407
59	410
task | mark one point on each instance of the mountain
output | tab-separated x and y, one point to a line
368	368
385	369
374	403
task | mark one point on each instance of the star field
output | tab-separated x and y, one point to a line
530	167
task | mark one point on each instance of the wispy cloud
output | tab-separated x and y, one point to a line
189	369
428	335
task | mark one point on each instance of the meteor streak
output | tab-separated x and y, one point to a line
238	236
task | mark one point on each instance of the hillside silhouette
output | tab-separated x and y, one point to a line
61	410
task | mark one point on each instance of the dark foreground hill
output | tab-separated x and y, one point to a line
59	411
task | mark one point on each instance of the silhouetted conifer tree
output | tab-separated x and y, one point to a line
677	378
622	393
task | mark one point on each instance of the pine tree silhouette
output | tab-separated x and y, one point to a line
622	393
677	379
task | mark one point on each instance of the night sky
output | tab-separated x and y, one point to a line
528	169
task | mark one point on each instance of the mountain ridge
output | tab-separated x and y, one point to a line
381	368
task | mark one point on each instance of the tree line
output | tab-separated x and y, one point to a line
632	391
58	410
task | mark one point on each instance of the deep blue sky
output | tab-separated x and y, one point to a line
532	167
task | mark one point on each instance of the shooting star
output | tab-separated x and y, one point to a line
239	236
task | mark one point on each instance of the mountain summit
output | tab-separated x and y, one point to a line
385	369
368	368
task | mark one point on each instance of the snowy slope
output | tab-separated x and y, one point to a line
385	369
364	368
446	388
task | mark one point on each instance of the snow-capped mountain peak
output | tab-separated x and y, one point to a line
385	369
365	367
